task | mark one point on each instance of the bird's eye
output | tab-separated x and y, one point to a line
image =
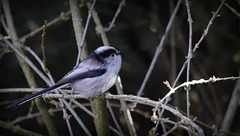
113	54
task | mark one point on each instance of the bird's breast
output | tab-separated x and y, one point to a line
91	87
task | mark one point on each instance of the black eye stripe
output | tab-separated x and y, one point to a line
107	53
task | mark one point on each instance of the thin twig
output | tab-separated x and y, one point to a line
232	9
173	65
159	48
43	47
190	21
29	62
62	16
94	116
77	118
125	109
205	32
114	118
215	14
99	27
111	25
78	27
231	110
85	32
179	124
41	64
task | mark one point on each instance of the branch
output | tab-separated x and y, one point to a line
195	82
190	21
114	118
205	32
25	59
125	109
77	118
137	99
111	25
147	101
231	110
232	9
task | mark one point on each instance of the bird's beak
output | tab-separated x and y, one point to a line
119	53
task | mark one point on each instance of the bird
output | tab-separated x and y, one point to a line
93	76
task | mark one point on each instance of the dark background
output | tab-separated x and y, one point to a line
137	33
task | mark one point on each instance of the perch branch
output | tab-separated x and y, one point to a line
126	111
140	100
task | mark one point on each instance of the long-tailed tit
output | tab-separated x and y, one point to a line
93	76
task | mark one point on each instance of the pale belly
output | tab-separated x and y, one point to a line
92	87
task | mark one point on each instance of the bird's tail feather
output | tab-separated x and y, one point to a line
17	104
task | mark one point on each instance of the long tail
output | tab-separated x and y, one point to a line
17	104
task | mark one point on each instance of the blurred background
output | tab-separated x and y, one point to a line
137	32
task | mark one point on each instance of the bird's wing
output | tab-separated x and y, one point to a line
81	73
75	74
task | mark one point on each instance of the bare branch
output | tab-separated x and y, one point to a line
205	32
114	118
195	82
